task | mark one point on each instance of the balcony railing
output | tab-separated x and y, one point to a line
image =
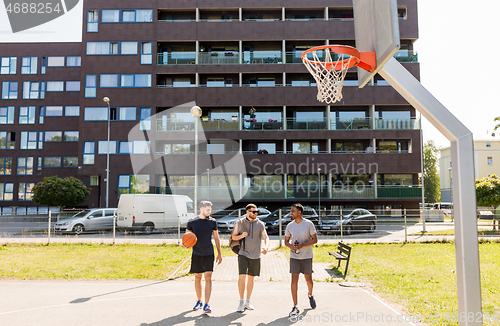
374	124
218	58
353	192
399	192
306	124
186	125
404	56
256	124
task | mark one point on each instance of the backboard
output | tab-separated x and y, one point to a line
376	28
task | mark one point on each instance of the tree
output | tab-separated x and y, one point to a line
431	177
497	119
488	193
54	191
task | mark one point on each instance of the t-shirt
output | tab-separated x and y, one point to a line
301	232
202	228
250	246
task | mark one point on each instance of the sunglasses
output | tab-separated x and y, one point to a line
255	212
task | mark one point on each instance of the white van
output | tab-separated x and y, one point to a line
148	212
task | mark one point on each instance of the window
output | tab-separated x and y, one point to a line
94	180
40	140
88	152
102	48
305	147
219	82
43	65
216	149
262	82
31	90
7	140
141	147
72	111
39	165
52	162
55	61
181	82
29	65
490	160
137	16
95	114
25	166
109	80
125	147
146	53
27	115
6	191
128	16
145	118
8	65
176	148
129	47
71	136
110	16
70	161
348	147
488	144
269	147
138	80
133	184
55	86
41	115
28	139
25	190
74	61
6	115
90	85
93	21
396	179
127	114
302	81
53	111
72	86
53	136
9	90
103	147
5	165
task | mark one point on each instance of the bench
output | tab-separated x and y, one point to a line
343	253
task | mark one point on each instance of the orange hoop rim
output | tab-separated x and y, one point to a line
365	60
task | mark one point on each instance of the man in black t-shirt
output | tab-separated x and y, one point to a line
202	259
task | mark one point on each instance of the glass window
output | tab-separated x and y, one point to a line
146	53
145	118
88	152
103	147
53	136
94	180
5	165
6	191
139	80
109	80
305	147
127	114
55	62
141	147
269	147
110	16
490	160
53	111
29	65
349	147
71	136
52	162
181	82
125	147
144	16
28	139
39	165
74	61
128	16
129	47
397	179
25	190
93	21
90	85
6	115
9	90
72	111
25	166
133	184
55	86
95	114
72	86
31	90
8	65
7	140
26	115
70	161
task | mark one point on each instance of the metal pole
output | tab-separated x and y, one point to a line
208	184
422	169
319	195
50	216
406	230
114	227
341	227
106	99
196	165
280	237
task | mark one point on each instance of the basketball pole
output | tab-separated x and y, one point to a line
464	192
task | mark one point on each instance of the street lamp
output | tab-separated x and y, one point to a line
106	99
319	195
196	113
208	184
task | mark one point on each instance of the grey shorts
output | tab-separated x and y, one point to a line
248	266
304	266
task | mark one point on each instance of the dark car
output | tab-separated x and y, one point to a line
272	221
227	223
358	219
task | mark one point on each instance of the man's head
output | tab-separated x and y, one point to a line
252	211
296	210
205	208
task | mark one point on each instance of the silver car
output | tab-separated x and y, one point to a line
227	223
95	219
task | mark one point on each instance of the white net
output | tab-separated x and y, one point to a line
329	70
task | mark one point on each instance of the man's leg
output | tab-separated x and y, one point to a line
250	286
241	285
295	287
309	281
208	286
197	285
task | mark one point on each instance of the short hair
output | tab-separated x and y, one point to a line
250	206
205	203
299	207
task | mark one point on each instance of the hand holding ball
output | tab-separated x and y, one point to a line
189	239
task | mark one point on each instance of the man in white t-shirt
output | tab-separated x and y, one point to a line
300	236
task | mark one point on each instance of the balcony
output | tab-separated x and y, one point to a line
399	192
187	125
353	192
306	124
375	124
255	124
406	56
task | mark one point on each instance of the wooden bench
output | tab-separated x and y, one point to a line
343	253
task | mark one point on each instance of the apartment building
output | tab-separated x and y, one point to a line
240	62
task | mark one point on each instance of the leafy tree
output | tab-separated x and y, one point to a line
431	177
488	193
54	191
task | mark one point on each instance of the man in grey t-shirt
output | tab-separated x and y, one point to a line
249	254
300	236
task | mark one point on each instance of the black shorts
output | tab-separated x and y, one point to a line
304	266
248	266
202	264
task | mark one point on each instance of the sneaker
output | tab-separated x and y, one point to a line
249	305
295	312
312	302
206	308
241	306
198	305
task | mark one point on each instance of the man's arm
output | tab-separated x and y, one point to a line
312	241
236	230
266	242
217	245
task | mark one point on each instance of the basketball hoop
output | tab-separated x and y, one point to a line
328	64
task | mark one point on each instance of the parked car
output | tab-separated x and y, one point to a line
445	207
227	223
358	219
272	221
95	219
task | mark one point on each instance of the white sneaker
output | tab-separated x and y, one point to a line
249	305
241	306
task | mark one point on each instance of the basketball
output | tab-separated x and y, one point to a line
189	239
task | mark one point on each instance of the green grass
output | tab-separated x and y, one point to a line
420	276
480	232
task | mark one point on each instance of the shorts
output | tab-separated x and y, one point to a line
304	266
201	264
248	266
